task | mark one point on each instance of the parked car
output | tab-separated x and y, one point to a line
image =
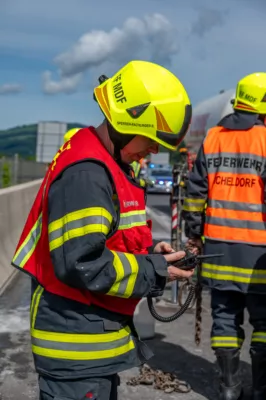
160	180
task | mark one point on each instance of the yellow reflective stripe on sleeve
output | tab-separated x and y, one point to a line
126	268
259	337
82	346
133	275
142	182
79	223
226	341
131	219
194	205
198	201
235	274
28	246
35	304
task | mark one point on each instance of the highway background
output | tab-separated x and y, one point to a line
173	344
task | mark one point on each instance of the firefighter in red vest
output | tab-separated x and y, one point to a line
85	243
229	175
136	165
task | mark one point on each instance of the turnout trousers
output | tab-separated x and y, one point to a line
227	337
228	317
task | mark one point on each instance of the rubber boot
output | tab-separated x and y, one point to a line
230	383
258	362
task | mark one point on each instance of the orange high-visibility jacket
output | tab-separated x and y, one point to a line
235	162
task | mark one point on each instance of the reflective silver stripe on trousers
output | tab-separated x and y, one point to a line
34	235
237	206
78	223
50	344
243	163
236	223
127	272
132	219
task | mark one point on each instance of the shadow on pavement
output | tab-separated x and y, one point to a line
200	373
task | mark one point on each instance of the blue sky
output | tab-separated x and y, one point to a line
52	52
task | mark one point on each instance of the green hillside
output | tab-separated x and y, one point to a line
22	140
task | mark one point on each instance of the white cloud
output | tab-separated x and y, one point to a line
65	85
151	38
10	88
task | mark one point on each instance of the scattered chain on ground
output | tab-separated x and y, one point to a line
160	380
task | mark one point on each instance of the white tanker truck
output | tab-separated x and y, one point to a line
207	114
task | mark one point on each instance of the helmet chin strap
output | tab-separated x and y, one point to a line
119	141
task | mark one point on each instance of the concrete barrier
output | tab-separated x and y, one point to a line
15	204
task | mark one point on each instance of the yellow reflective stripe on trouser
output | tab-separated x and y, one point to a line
28	246
82	346
226	341
126	268
131	219
35	301
194	205
78	223
259	337
235	274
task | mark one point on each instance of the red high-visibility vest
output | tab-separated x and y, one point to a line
132	235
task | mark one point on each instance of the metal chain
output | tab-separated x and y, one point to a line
198	295
168	382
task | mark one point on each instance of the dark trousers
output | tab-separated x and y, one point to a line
96	388
228	317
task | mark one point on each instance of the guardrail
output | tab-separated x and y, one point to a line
15	204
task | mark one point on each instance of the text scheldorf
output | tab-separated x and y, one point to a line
234	181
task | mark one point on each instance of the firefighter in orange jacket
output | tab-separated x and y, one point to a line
230	175
86	240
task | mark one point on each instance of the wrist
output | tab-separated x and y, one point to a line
159	264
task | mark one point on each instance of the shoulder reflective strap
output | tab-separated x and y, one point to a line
28	246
